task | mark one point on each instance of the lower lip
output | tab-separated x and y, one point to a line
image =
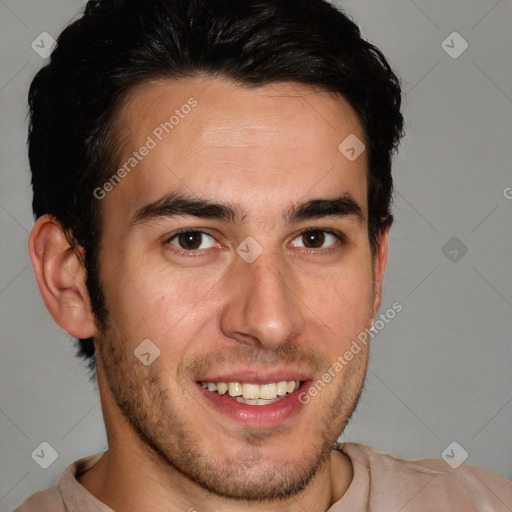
261	416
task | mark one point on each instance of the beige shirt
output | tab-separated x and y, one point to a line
381	483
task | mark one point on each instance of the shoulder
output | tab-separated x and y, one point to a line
67	494
49	499
430	481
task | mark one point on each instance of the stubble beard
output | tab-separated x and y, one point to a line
175	446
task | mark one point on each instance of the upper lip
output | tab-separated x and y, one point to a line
258	377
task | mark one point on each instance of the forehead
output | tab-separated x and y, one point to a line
263	147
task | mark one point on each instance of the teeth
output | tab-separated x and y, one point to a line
267	391
291	386
282	388
256	401
222	387
235	389
249	393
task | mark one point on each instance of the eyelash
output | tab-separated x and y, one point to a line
194	253
340	237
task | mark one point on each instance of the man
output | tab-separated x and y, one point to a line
212	184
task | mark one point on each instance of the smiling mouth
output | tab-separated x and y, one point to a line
254	394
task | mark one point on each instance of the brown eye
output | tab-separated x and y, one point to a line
192	240
313	239
317	239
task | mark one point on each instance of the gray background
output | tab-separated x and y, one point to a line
440	371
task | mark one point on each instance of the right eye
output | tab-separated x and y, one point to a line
191	240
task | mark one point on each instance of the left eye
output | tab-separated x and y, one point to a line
192	240
315	239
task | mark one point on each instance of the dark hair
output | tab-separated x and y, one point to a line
118	44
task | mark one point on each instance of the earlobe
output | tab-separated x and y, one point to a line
61	278
380	263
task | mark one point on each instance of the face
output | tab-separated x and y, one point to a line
237	244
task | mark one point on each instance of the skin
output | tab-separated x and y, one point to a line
264	149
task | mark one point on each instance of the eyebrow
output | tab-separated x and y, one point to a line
177	204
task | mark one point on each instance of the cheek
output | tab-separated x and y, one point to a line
345	302
155	301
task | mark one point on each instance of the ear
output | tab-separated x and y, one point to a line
61	278
379	268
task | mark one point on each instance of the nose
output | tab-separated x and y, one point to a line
263	308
